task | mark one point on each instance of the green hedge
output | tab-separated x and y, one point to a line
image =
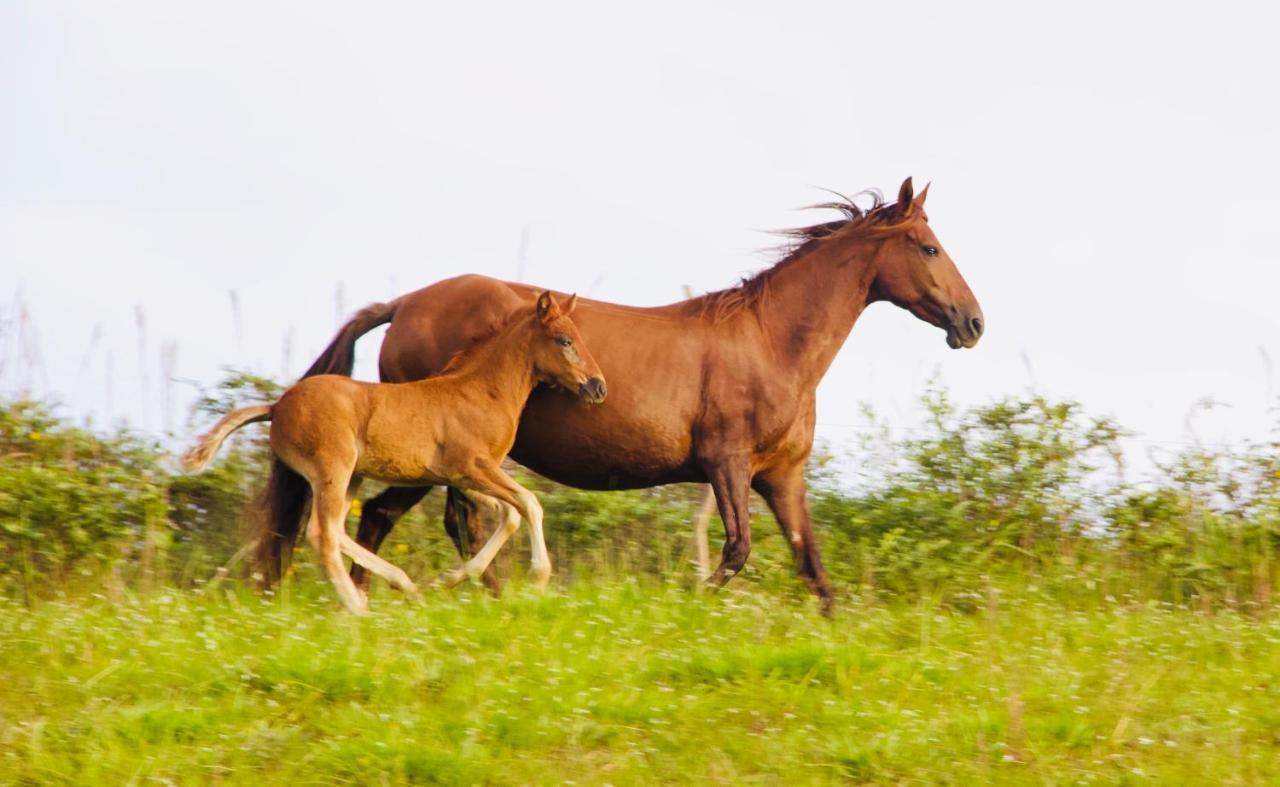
1026	488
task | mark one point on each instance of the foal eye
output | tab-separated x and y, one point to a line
564	341
932	251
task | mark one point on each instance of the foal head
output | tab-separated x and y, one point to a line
559	354
914	271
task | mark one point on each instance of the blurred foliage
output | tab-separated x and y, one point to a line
1025	489
73	501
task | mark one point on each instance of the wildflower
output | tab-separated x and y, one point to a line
356	507
402	548
35	437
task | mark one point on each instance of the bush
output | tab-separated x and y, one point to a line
71	501
1019	490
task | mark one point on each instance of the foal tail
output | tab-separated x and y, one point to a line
340	356
198	458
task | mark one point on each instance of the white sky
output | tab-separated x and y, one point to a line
1104	176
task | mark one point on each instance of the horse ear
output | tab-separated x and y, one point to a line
547	309
567	308
924	192
905	195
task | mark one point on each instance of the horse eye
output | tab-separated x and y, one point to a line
564	341
932	251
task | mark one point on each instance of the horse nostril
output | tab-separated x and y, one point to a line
594	389
976	325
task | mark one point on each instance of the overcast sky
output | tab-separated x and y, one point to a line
1104	175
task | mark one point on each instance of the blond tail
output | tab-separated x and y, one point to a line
198	458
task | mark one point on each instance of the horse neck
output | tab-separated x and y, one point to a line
502	368
814	300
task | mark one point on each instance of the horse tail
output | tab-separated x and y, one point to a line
340	356
198	458
279	519
283	502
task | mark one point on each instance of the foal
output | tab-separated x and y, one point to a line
454	429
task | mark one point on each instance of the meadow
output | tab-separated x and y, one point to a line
629	682
1011	610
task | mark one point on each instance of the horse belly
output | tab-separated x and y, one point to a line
602	447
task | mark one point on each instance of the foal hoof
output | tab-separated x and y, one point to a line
359	608
451	579
539	580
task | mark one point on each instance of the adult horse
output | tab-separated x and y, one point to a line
718	389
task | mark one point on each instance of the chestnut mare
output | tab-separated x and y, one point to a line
453	429
716	389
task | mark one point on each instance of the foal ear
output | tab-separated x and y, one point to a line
924	193
905	195
567	308
547	308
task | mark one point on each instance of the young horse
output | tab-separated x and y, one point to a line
454	429
717	389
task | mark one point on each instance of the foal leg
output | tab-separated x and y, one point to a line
521	503
467	528
731	481
479	563
378	516
367	559
785	493
326	531
393	574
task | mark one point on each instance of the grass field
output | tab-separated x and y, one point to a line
622	682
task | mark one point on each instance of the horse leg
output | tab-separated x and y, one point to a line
520	502
377	518
393	574
731	481
325	532
785	494
466	528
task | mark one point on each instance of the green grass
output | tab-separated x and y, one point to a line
623	682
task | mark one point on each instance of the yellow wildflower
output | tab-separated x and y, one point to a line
401	548
35	436
356	507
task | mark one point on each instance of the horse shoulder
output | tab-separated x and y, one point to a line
747	402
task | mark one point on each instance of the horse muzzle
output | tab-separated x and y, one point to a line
964	330
593	390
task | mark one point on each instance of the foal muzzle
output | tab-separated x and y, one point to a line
593	390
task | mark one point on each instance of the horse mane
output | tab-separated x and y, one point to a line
753	291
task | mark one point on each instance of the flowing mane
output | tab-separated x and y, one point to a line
753	290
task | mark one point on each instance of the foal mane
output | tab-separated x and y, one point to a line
481	340
752	291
